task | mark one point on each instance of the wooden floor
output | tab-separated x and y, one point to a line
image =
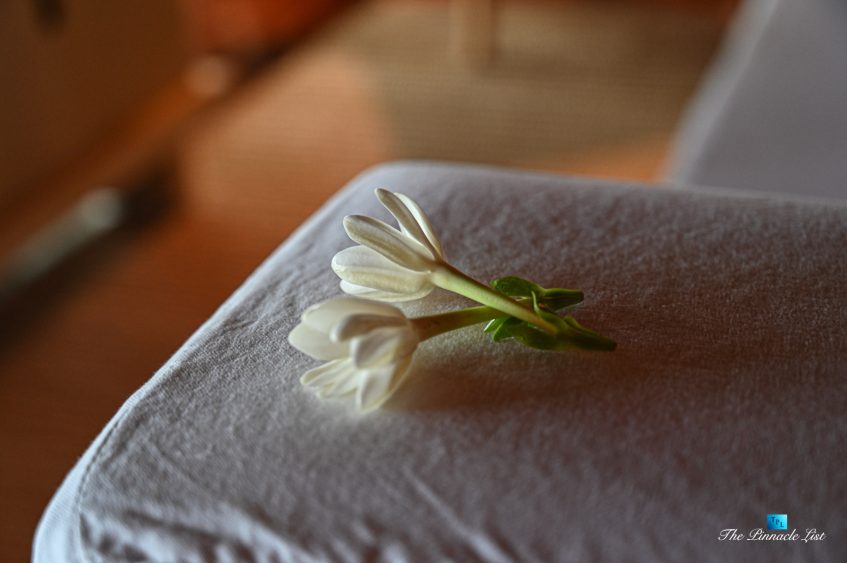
588	89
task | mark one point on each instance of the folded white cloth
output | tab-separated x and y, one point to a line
723	402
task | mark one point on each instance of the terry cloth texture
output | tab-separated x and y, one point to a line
771	115
724	401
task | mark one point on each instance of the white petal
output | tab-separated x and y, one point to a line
357	290
379	295
365	267
326	315
376	348
379	384
407	221
343	385
355	325
388	241
382	346
316	343
324	373
423	222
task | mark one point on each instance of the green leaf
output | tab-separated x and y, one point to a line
529	336
500	328
545	302
586	338
559	298
554	299
516	287
494	324
505	330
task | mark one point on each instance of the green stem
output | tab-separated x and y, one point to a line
433	325
451	279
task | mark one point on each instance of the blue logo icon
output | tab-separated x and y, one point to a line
777	521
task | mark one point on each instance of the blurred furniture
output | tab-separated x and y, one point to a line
723	402
73	71
254	26
94	96
771	114
92	93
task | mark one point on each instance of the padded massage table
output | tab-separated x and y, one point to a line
724	402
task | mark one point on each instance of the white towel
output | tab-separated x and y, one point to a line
724	401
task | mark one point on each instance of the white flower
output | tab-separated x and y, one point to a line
390	265
368	345
394	265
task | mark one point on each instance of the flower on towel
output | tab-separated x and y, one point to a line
399	265
368	347
390	265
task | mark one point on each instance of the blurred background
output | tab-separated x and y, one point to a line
153	152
